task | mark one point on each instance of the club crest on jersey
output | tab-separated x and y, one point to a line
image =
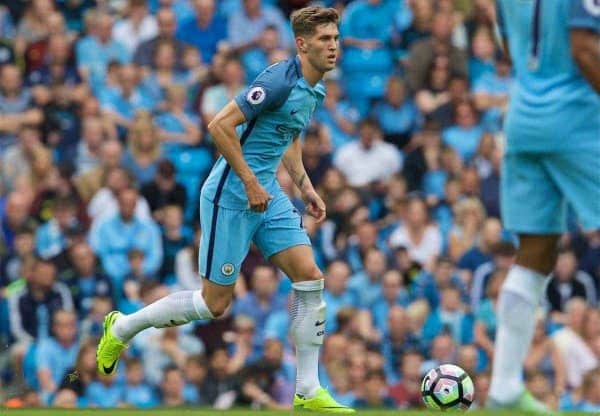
592	6
256	95
227	269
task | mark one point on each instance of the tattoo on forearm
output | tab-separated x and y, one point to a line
301	181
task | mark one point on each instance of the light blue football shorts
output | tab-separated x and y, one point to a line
227	234
536	188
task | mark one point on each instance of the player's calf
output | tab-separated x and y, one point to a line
308	330
176	309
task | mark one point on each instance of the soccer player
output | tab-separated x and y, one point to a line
552	158
242	202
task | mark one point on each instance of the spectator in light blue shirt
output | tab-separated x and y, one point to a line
165	73
376	395
96	50
122	103
177	127
394	293
365	238
172	388
204	31
397	114
113	237
248	23
491	95
256	59
278	326
182	9
137	393
465	135
336	294
85	279
7	28
451	316
51	237
365	30
262	300
56	354
338	115
196	370
232	76
105	392
366	284
162	348
480	253
484	50
427	285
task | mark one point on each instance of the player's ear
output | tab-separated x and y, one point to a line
301	44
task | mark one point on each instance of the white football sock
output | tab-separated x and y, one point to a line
308	330
176	309
519	298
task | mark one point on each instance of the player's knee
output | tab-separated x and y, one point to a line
218	310
217	307
312	273
538	253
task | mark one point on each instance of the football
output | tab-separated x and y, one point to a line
447	387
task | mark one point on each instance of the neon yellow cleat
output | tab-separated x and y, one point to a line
109	348
525	403
322	402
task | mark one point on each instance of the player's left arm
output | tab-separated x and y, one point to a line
585	46
292	161
585	39
500	32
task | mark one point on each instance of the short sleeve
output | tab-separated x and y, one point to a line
268	91
585	14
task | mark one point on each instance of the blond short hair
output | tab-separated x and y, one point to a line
306	20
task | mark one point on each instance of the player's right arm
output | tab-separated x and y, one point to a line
222	129
585	39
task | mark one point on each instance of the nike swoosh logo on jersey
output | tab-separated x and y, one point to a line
319	323
294	112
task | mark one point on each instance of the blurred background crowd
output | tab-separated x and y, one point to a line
103	149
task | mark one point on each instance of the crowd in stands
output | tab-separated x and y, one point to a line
104	148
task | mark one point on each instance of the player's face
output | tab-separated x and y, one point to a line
323	47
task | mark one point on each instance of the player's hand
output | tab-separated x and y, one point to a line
314	205
258	197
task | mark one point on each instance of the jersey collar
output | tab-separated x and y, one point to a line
318	89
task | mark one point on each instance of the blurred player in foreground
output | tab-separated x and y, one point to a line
242	202
552	158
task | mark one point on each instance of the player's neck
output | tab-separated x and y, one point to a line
309	72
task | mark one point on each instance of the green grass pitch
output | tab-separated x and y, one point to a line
200	412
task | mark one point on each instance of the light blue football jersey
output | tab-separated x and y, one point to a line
552	106
277	106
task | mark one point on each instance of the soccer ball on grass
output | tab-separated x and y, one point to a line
447	387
